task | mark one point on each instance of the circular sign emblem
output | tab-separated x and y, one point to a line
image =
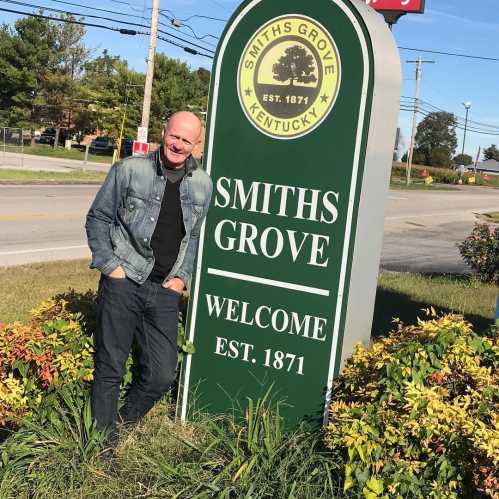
289	76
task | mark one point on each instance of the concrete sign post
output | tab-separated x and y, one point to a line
303	110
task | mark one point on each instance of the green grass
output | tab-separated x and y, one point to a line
60	152
209	457
15	176
492	217
399	295
24	287
398	183
405	295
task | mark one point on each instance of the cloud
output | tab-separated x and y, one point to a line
461	20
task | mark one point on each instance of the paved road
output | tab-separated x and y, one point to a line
422	228
31	162
40	223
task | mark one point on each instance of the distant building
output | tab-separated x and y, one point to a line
490	166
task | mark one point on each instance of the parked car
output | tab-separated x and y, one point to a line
126	147
47	136
102	145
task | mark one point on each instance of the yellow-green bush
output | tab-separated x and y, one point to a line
417	413
50	350
53	348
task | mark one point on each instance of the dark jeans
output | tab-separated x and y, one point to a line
128	311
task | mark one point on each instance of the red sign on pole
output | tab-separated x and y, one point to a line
415	6
140	148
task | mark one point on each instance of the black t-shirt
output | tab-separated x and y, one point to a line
170	230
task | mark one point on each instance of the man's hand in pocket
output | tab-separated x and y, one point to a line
176	284
118	273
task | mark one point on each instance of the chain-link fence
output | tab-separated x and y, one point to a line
11	146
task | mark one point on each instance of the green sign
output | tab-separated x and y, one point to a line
303	108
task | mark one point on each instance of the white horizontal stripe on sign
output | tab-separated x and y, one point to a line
269	282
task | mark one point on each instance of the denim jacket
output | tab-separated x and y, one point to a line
123	216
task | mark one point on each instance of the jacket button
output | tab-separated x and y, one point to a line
152	219
157	198
145	239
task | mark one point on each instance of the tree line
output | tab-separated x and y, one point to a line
436	142
49	77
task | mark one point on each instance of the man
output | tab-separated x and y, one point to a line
143	230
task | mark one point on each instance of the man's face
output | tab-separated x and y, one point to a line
181	136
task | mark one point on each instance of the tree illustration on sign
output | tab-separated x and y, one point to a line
295	65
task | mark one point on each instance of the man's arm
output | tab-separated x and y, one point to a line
100	217
185	271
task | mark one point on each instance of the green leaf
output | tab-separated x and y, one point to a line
188	347
21	367
362	476
375	485
348	478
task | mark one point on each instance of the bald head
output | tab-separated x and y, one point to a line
182	134
186	119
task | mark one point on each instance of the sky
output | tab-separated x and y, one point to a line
456	26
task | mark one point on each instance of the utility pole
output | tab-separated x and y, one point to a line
467	106
117	151
477	158
146	108
419	63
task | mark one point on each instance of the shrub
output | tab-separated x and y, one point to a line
49	351
417	414
440	175
52	350
480	251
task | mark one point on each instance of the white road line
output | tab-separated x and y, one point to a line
395	197
41	250
461	213
269	282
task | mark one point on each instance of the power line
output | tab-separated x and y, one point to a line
187	49
24	4
432	108
186	41
200	16
131	6
177	23
123	31
114	12
458	126
97	9
466	56
133	16
459	121
60	11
